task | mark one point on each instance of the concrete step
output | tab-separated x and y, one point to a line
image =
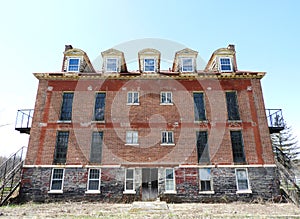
155	206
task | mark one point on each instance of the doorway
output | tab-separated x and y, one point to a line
149	184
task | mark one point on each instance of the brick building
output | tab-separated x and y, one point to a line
179	135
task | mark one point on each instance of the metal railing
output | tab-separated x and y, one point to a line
24	120
275	120
10	174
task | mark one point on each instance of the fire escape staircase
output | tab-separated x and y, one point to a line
10	175
288	171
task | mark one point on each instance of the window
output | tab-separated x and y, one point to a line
232	106
205	179
149	65
202	147
242	179
129	180
170	180
237	147
57	179
111	65
225	65
99	107
60	155
132	98
73	65
96	147
131	137
167	137
186	64
94	180
166	97
199	107
66	107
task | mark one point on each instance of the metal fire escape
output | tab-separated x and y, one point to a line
24	120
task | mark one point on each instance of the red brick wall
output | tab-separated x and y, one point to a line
149	118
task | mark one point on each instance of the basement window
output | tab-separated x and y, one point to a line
187	65
205	180
225	65
242	181
94	181
129	181
73	64
170	181
57	179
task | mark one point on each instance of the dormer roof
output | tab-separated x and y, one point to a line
85	64
214	63
184	53
114	54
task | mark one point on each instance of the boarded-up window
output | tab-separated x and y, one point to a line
232	106
202	147
237	147
199	107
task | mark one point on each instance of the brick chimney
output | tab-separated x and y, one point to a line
231	47
67	47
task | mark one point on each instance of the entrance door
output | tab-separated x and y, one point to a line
149	184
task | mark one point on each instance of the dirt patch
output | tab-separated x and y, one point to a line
120	211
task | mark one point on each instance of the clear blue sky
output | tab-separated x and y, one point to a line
33	34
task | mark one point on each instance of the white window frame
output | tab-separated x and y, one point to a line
230	64
132	137
248	190
116	63
131	98
166	133
170	180
62	181
187	66
166	102
78	67
89	180
129	191
211	191
154	64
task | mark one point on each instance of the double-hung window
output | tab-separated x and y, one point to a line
149	65
237	147
166	97
205	179
111	65
94	181
187	65
225	65
167	137
199	107
242	180
170	180
57	179
96	147
99	110
132	137
129	181
202	147
66	107
73	64
232	106
133	98
60	154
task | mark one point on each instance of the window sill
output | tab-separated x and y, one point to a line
100	121
129	192
201	121
64	121
92	192
55	192
237	121
133	104
166	104
129	144
170	192
167	144
207	192
248	191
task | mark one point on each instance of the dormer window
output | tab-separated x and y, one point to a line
186	64
225	65
111	65
149	65
73	65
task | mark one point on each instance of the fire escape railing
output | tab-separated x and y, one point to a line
275	120
24	120
10	174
